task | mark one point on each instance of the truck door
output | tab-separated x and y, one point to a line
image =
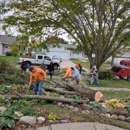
40	59
47	60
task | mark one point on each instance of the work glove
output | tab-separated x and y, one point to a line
31	87
72	78
62	79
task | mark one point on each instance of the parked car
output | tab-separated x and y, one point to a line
39	59
122	71
57	57
125	62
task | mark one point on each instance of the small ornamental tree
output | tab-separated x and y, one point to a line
14	50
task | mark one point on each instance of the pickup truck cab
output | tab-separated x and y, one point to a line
39	59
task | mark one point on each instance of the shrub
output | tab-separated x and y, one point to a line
96	106
7	119
106	74
4	65
8	53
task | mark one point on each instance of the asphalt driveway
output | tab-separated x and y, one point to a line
66	63
69	64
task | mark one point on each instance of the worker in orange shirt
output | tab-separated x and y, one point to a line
78	66
39	76
67	75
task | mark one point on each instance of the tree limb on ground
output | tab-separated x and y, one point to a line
48	98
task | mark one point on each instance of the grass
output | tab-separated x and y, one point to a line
10	58
110	83
111	94
86	64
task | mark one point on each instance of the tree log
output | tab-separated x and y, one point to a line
60	90
93	95
60	84
49	98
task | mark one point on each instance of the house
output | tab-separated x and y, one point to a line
62	51
124	56
5	41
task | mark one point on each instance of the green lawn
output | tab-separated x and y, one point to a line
110	83
86	64
10	58
111	94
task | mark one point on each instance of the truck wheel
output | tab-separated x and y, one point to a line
121	77
55	66
128	78
28	64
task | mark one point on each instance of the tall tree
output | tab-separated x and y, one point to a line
98	27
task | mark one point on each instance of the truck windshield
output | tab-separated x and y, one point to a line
47	58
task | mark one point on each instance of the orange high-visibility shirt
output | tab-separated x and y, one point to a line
68	73
37	75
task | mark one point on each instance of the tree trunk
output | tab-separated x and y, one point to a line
89	93
93	95
112	61
63	91
48	98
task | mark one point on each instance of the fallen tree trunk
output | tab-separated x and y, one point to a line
93	95
48	98
63	91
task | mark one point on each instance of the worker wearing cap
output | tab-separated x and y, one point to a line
94	77
39	76
67	75
24	66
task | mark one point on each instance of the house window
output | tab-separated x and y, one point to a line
19	47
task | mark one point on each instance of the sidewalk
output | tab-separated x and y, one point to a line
106	89
80	126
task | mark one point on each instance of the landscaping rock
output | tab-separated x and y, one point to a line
19	114
41	120
115	117
107	115
102	115
91	113
76	109
128	119
121	117
85	112
29	120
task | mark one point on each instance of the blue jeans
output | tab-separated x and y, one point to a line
67	80
94	78
38	87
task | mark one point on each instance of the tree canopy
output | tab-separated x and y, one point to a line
99	27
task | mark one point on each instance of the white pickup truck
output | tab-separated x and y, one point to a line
39	59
